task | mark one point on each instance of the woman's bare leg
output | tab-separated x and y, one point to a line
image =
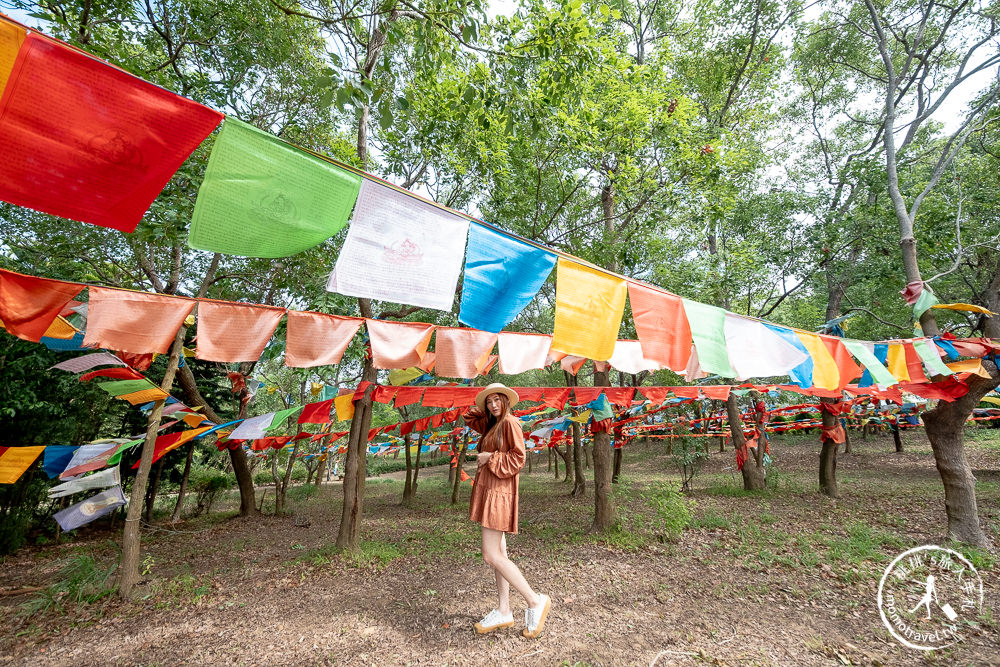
503	588
495	555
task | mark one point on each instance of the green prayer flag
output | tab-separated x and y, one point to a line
281	416
930	357
122	387
880	374
924	301
262	197
708	331
116	458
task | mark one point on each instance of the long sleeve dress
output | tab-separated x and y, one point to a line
494	492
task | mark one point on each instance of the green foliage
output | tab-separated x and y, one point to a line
19	506
687	453
207	483
81	580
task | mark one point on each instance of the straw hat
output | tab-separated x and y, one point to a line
496	388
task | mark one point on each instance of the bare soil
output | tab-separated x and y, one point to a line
782	577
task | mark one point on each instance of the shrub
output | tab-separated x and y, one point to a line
207	482
671	511
19	504
81	580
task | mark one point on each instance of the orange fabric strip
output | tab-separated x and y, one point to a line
29	305
15	460
842	357
134	322
11	39
144	396
234	332
317	339
661	326
398	344
914	365
462	353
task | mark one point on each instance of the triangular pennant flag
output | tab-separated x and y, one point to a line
29	305
136	322
318	339
520	352
502	276
107	154
661	325
757	351
262	197
589	308
234	331
708	332
398	344
400	248
461	353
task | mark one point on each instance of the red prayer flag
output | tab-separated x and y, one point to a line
107	154
530	393
318	339
316	413
408	396
383	394
29	305
685	392
234	331
914	366
450	397
437	420
134	322
113	373
398	344
620	395
556	397
586	394
718	392
655	394
845	362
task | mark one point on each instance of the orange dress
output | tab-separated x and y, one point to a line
494	493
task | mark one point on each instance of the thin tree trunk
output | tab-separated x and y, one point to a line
828	455
579	481
616	471
355	466
753	469
847	439
176	516
897	434
408	484
151	490
416	464
604	507
458	469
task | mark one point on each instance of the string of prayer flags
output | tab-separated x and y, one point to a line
589	309
754	350
708	332
135	322
520	352
99	480
11	38
232	332
661	326
928	353
165	444
29	305
398	344
88	361
400	249
262	197
318	339
252	428
462	353
90	457
15	460
873	356
628	358
502	276
107	154
56	457
91	509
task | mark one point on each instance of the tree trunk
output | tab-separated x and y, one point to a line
753	468
897	435
355	467
847	439
458	469
416	464
617	465
604	506
828	455
128	572
408	484
579	481
176	516
945	429
151	490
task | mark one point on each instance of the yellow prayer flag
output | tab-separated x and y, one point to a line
589	309
974	366
61	328
990	399
582	418
11	38
972	308
15	460
400	376
315	388
345	407
896	362
826	375
144	396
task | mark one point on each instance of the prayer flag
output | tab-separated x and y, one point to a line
398	344
56	456
317	413
281	417
136	322
252	428
756	351
234	331
93	508
461	353
122	387
628	358
125	373
520	352
165	444
90	457
29	305
15	460
401	376
661	325
868	355
408	396
88	361
318	339
143	396
913	364
801	374
896	362
344	406
589	308
825	373
262	197
502	276
99	480
929	355
400	248
846	368
708	332
11	38
924	301
106	155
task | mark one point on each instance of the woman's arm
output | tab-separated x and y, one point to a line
476	420
510	459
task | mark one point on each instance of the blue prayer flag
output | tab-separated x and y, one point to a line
882	354
802	374
502	276
56	459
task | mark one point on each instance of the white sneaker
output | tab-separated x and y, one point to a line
494	621
534	617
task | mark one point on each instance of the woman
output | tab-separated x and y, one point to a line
494	504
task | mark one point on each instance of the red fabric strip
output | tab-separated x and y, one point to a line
620	395
655	394
408	396
586	394
114	373
556	397
29	305
316	413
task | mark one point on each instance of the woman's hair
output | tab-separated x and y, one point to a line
492	421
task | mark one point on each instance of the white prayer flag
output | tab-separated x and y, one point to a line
92	508
88	361
400	249
628	358
99	480
756	351
252	428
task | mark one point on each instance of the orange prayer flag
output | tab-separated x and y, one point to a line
144	396
134	322
318	339
62	329
29	305
15	460
234	331
170	442
661	325
11	38
842	357
398	344
462	353
914	366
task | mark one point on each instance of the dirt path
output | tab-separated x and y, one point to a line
779	578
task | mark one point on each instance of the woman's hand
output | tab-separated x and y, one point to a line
483	458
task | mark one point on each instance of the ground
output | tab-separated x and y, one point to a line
782	577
